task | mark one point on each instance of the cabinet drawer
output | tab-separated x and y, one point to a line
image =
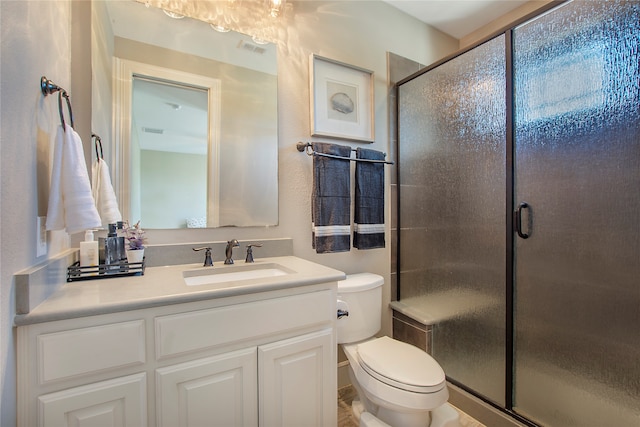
197	330
88	350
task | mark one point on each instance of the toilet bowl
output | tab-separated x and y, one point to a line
398	385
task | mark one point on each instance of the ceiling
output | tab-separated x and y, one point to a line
457	18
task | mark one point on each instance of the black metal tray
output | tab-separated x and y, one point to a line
103	271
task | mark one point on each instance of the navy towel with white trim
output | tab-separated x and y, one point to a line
369	202
331	200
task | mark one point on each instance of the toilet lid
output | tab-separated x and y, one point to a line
401	365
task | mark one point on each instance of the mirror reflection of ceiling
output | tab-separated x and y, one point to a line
170	118
136	21
261	19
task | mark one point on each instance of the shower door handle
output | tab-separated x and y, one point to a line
518	220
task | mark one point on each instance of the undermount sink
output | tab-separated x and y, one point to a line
226	274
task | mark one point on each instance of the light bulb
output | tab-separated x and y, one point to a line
275	7
219	28
173	14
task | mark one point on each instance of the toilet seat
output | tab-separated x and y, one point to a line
401	365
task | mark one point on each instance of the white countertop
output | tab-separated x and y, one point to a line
166	285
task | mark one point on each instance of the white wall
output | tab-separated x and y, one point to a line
175	188
36	41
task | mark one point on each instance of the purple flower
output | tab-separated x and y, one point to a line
135	236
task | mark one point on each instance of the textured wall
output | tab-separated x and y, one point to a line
35	42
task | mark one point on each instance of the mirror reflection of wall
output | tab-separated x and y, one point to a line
169	134
245	192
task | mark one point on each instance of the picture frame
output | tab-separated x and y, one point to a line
341	100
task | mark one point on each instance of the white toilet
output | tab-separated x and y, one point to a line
398	384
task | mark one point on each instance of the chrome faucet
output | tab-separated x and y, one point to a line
229	251
208	262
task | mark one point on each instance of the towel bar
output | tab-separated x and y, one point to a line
304	147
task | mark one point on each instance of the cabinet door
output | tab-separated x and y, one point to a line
297	383
120	402
220	391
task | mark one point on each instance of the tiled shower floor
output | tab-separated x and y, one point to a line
346	419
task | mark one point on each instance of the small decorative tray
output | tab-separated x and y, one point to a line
103	271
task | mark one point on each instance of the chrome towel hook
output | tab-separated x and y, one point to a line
98	145
48	88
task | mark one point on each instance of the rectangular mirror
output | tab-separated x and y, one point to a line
194	138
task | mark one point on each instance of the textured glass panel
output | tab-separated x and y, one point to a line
452	212
577	92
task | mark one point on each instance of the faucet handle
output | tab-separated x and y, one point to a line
208	262
250	251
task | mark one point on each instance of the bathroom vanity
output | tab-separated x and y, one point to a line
152	350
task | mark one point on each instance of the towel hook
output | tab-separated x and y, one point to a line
98	144
47	87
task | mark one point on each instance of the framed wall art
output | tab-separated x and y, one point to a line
341	100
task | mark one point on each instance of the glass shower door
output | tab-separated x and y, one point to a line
452	212
577	190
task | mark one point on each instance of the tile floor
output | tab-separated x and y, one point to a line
346	419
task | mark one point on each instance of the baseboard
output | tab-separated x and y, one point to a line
481	411
343	374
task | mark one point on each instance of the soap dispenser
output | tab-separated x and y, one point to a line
122	249
111	250
89	253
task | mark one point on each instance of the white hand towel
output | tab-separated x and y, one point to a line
103	193
71	205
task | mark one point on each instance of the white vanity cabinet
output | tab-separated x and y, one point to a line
261	359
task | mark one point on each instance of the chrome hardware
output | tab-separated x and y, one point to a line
342	313
308	148
249	257
47	87
229	251
208	262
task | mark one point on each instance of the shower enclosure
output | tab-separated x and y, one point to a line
519	180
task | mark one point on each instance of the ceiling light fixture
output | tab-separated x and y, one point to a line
262	18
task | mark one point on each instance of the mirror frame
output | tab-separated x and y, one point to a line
124	73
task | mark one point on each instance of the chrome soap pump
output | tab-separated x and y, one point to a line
114	250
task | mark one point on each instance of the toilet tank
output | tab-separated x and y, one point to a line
361	295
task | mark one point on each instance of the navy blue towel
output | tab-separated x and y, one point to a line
331	200
369	204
